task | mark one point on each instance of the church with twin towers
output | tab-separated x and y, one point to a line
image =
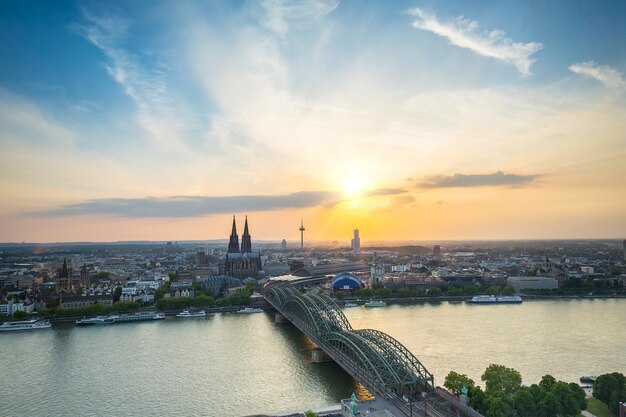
241	262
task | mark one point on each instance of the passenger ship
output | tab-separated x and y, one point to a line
24	325
492	299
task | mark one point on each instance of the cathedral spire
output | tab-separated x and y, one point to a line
246	239
233	244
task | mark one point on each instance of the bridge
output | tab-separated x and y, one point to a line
376	360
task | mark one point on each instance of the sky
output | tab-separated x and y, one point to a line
411	120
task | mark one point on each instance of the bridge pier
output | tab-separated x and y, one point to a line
319	356
279	318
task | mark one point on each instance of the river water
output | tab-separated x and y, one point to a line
233	365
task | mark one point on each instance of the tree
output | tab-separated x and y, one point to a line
173	276
455	382
546	382
340	294
501	380
310	413
549	406
477	398
568	404
498	406
524	403
434	292
52	303
579	394
117	293
508	290
610	389
20	315
405	292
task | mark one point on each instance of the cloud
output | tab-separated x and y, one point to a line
462	32
165	119
191	206
606	75
477	180
280	14
396	202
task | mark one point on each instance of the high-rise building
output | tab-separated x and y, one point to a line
201	259
283	244
624	249
356	241
437	251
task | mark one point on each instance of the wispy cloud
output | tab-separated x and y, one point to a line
463	33
164	120
498	178
280	14
606	75
395	203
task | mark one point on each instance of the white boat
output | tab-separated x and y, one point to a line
191	313
492	299
375	303
95	320
10	326
250	310
348	305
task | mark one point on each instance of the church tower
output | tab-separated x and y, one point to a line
246	239
233	245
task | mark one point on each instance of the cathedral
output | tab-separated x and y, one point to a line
241	263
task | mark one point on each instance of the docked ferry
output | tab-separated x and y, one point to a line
122	318
10	326
492	299
375	303
191	313
249	310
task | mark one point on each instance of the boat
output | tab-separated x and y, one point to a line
249	310
492	299
191	313
97	320
122	318
348	305
587	379
375	303
10	326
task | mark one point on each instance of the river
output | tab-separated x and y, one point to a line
233	365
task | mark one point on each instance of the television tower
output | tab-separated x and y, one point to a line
302	229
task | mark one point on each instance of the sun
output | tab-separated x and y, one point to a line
353	185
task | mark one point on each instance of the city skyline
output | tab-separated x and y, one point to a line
414	120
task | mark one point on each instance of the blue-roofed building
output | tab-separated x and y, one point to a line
346	282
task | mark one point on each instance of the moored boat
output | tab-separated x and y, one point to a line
97	320
191	313
249	310
375	303
492	299
587	379
122	318
349	305
24	325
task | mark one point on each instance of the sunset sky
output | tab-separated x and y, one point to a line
159	120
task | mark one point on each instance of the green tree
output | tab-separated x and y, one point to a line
524	403
549	406
20	315
117	293
405	292
500	380
340	294
568	404
52	303
610	389
434	292
383	292
477	398
546	382
173	276
310	413
455	382
498	406
579	394
364	292
508	290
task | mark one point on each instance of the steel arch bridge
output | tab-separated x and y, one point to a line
377	360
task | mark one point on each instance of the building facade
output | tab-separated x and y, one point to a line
241	262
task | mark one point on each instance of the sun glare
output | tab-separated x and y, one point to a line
353	185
